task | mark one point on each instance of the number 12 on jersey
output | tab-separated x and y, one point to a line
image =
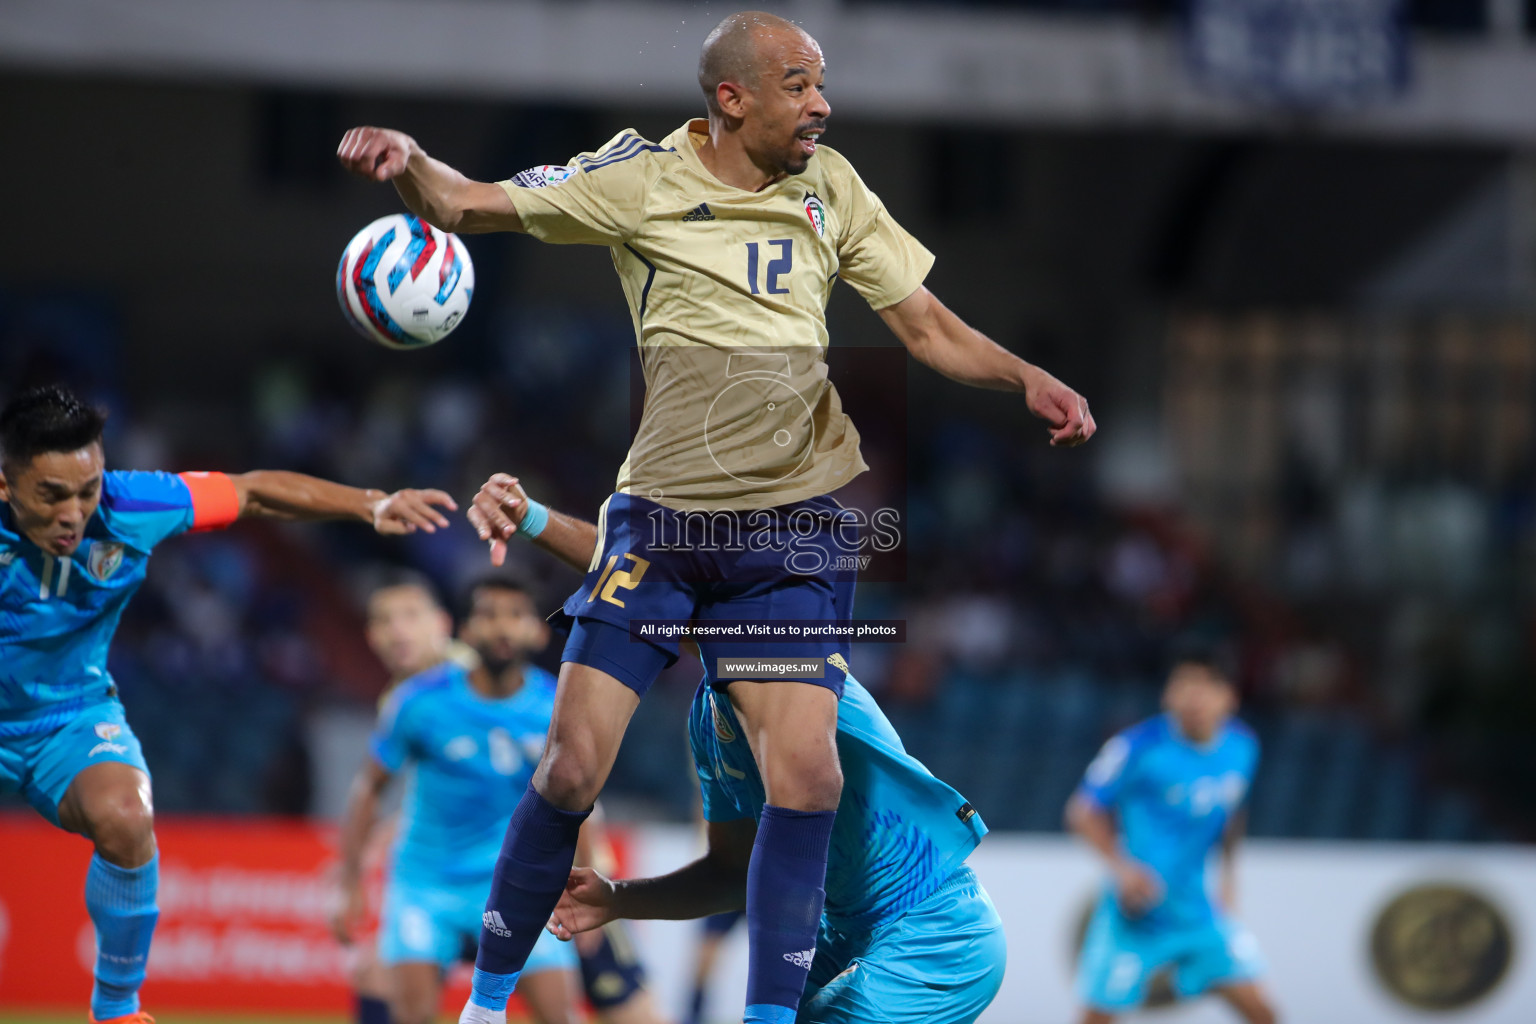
778	266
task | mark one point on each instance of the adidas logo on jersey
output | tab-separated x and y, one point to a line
698	213
6	558
494	924
802	959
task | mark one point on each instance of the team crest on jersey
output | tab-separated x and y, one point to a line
108	730
723	731
105	559
817	213
543	176
6	558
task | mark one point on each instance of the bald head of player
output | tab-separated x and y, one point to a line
762	79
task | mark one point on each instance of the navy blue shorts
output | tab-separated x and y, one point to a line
721	924
612	973
794	563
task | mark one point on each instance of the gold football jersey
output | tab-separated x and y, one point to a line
728	291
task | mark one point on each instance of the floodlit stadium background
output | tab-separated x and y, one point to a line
1290	257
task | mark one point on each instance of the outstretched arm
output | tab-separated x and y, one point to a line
713	884
357	822
431	189
939	339
498	512
277	494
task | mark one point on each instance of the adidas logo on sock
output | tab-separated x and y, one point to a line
698	213
494	924
802	959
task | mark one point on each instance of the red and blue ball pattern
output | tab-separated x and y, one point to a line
404	283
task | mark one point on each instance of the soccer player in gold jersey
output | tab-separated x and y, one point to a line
727	236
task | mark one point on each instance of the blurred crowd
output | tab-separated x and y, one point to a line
1458	16
1039	613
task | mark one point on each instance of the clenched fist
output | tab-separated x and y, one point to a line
378	154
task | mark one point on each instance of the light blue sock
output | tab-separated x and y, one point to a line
121	902
491	991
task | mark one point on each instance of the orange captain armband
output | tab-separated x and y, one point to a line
215	502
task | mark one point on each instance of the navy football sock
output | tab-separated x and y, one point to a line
370	1010
696	1007
784	900
531	872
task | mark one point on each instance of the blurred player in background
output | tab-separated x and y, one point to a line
75	541
727	236
409	631
907	934
471	734
713	931
611	973
1156	803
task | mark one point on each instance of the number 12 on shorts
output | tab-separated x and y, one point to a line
777	267
612	579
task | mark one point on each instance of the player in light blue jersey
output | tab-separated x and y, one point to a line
1156	803
468	739
411	633
74	543
907	933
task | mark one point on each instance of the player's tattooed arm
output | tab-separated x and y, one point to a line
277	494
713	884
498	510
939	339
357	822
1136	885
430	188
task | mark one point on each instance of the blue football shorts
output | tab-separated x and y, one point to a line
41	766
794	562
941	962
439	922
1119	958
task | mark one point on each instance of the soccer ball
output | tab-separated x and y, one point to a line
404	283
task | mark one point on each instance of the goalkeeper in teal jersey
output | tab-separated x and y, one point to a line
1157	802
75	541
907	933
